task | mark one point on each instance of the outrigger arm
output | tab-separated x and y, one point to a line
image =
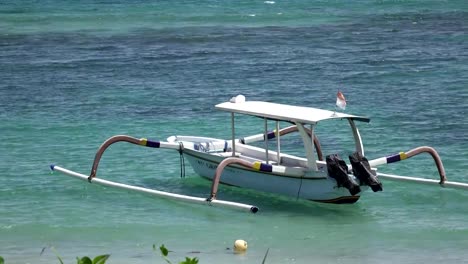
411	153
124	138
153	144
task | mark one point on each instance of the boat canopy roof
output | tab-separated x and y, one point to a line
283	112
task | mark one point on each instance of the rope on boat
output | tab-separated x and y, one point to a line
182	160
142	141
411	153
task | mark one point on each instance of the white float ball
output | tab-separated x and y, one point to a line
240	245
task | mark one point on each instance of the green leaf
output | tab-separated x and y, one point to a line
2	261
189	261
164	250
84	260
266	254
101	259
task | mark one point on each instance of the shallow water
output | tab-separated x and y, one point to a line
74	74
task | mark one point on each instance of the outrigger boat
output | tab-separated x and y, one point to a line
238	162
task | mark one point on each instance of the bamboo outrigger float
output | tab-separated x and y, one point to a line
239	163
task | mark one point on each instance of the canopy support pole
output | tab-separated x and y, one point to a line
266	141
278	154
233	132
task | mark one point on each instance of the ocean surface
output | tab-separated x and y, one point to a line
74	73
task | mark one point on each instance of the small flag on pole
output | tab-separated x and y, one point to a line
340	101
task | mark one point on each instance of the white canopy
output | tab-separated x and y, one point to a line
291	113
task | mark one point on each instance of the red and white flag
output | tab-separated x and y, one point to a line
340	101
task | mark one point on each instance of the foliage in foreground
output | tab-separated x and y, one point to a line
165	252
103	258
97	260
84	260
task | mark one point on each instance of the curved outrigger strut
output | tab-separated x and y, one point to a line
411	153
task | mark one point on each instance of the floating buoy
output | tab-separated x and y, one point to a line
240	245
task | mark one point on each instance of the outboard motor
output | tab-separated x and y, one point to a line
338	170
362	171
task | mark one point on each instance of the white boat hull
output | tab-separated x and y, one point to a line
315	189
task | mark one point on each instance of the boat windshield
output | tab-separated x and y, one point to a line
336	137
290	143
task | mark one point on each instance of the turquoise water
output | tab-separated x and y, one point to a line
75	73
